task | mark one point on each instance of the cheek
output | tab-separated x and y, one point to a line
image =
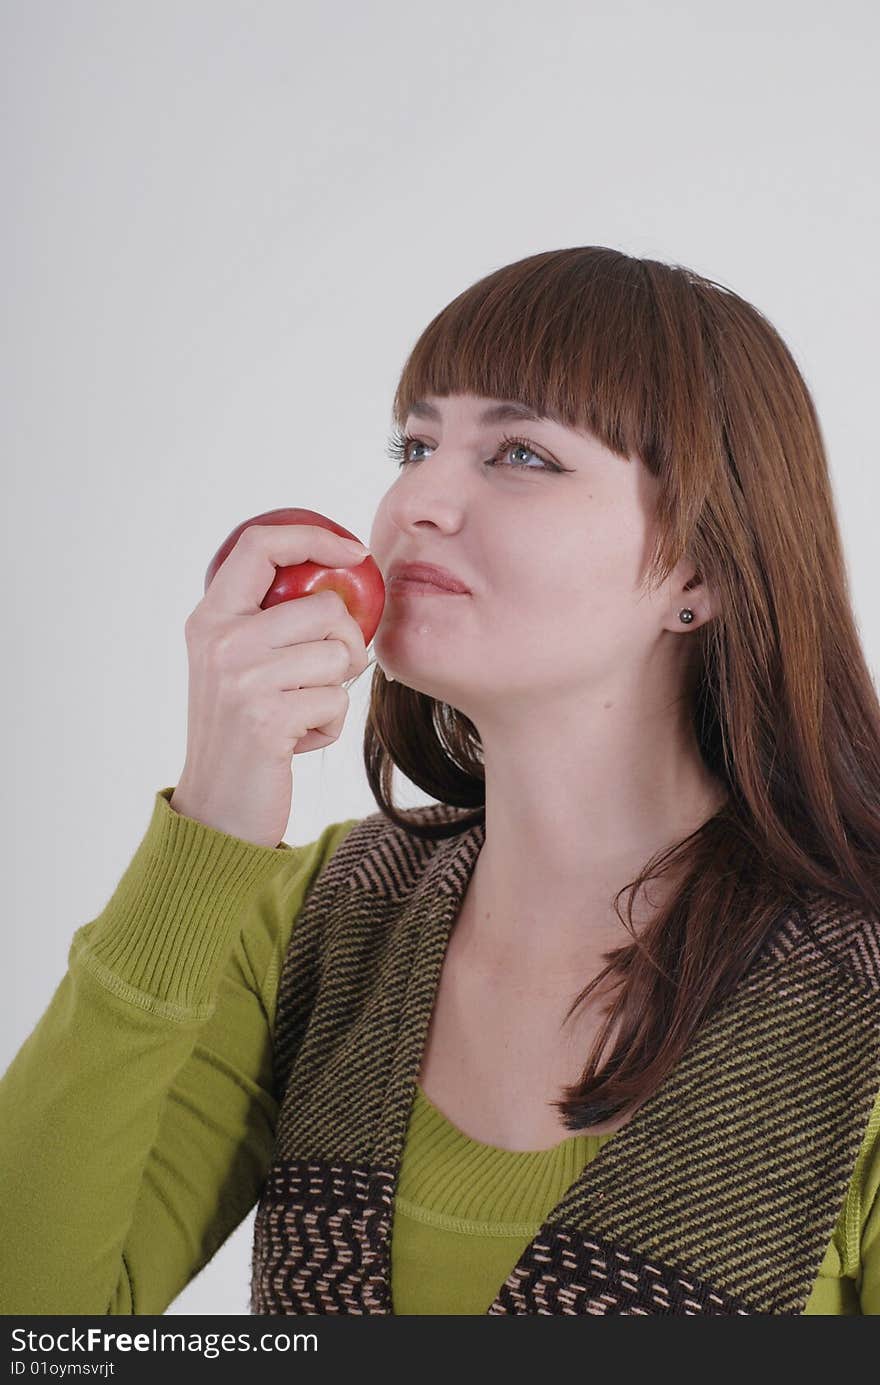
381	536
573	582
547	614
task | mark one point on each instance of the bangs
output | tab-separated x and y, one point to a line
632	351
583	335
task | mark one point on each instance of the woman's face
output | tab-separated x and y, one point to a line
551	536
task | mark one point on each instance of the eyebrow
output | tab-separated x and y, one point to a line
496	413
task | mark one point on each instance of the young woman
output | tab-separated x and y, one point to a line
452	1072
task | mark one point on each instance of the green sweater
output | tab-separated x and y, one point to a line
465	1210
150	1072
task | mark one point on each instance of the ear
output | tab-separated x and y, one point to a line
698	596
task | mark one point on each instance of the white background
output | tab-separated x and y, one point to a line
224	226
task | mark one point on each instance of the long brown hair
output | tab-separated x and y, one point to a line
660	362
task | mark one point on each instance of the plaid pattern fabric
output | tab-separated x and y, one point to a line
718	1196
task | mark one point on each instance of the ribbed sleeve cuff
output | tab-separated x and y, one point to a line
167	931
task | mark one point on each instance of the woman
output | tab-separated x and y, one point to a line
455	1077
654	676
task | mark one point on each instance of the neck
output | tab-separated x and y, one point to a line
565	830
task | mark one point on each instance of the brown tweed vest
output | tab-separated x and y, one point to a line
718	1196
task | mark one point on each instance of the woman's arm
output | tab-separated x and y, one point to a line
137	1119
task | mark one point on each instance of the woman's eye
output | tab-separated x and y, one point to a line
400	445
521	447
410	442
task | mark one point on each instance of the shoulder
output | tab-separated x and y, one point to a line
835	933
380	857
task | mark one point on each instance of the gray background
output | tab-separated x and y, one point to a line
224	226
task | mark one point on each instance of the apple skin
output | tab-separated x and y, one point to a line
361	588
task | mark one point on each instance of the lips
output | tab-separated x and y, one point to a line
428	573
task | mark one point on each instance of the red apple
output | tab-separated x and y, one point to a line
361	587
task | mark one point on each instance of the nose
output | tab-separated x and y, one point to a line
430	493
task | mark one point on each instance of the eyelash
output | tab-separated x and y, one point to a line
400	443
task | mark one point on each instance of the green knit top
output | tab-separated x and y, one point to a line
137	1118
465	1211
